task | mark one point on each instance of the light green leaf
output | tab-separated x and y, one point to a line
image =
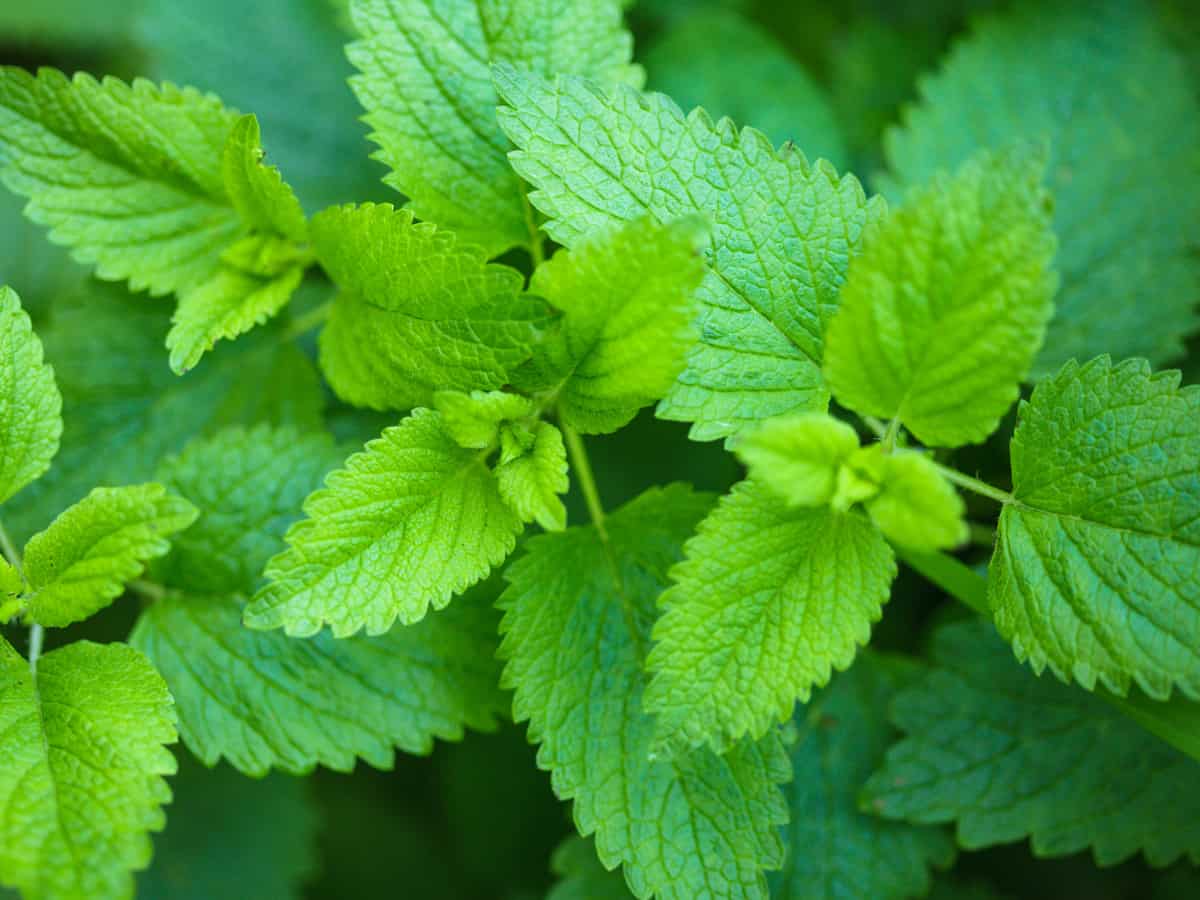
836	851
12	586
264	700
258	192
474	419
284	60
81	783
693	826
783	232
798	456
30	404
226	306
128	176
530	482
945	309
418	311
258	274
718	59
626	302
1101	85
768	602
1097	566
106	346
1007	755
581	876
426	84
405	525
916	507
249	485
215	844
83	561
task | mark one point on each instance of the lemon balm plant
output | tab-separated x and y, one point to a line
575	249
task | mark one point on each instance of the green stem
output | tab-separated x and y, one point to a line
974	484
1177	721
982	535
537	243
147	589
889	436
302	325
583	468
36	635
587	482
9	549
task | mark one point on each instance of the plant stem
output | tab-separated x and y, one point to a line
36	635
982	535
302	325
9	549
889	436
537	243
974	484
147	589
587	482
1177	721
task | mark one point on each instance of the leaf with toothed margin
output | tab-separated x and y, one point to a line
82	780
626	299
943	312
1100	83
1096	572
768	601
427	87
127	175
263	700
30	404
404	526
84	559
417	311
836	851
1007	755
783	231
578	612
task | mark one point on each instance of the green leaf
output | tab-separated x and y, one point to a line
258	192
531	481
1007	755
581	876
945	309
248	53
30	404
417	311
12	586
474	419
405	525
224	307
836	851
915	507
1100	84
768	602
720	60
117	395
258	274
798	456
426	84
263	475
263	700
783	232
215	844
577	613
83	561
1097	566
626	302
127	175
82	779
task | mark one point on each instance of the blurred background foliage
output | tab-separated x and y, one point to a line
476	819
